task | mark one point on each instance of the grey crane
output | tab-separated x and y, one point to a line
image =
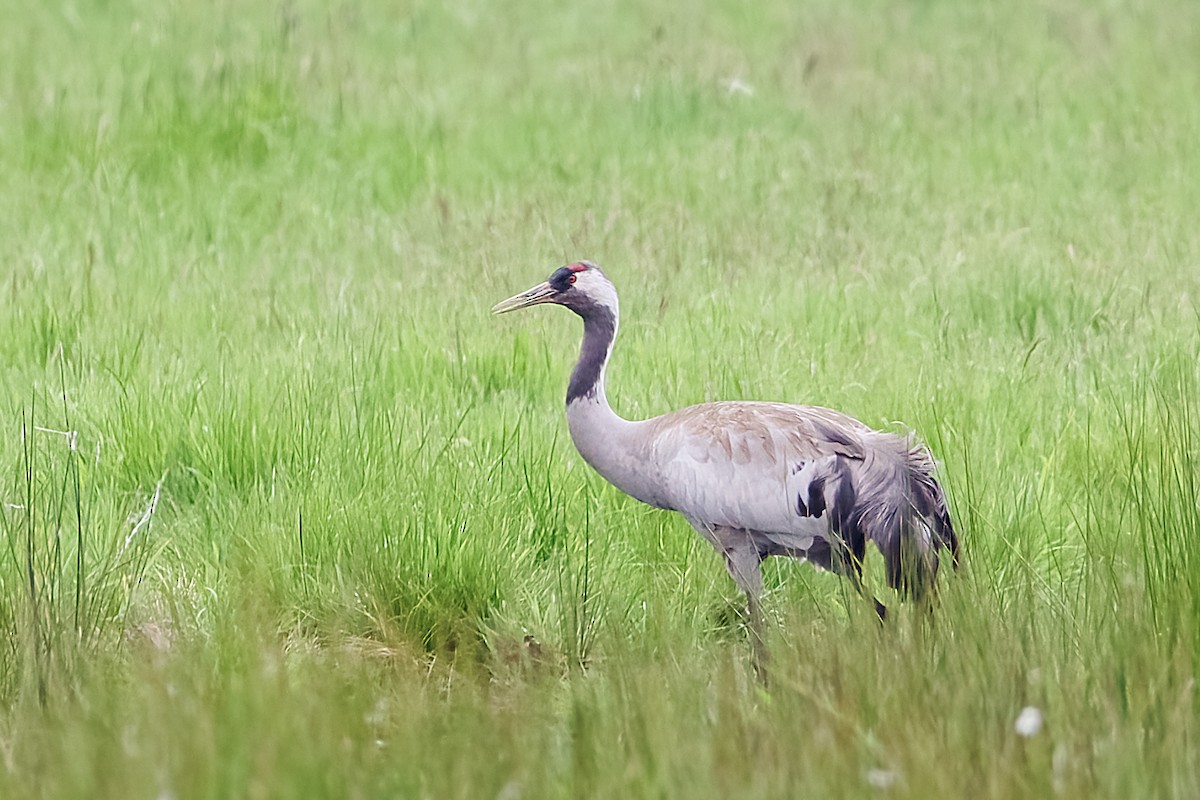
755	479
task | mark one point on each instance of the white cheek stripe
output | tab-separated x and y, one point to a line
597	287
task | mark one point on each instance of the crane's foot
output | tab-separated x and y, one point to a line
880	609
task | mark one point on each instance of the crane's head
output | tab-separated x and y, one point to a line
581	287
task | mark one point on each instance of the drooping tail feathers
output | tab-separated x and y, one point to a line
899	505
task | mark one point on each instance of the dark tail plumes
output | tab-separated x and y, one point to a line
903	510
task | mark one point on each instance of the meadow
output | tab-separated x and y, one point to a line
287	513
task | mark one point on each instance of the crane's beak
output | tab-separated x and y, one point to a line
542	293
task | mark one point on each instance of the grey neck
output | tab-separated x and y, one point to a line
613	446
587	380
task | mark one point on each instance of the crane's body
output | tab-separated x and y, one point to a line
754	479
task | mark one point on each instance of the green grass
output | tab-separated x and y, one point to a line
315	526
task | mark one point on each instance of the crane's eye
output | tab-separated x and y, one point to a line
571	279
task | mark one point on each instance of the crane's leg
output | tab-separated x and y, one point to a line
848	563
744	563
758	638
856	579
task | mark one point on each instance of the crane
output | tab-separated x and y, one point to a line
755	479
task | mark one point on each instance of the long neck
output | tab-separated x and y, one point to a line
611	445
587	380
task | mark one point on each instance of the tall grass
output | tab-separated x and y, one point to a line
286	513
72	569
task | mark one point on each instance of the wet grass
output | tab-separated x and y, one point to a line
286	513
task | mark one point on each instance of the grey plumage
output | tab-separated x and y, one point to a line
756	479
856	484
